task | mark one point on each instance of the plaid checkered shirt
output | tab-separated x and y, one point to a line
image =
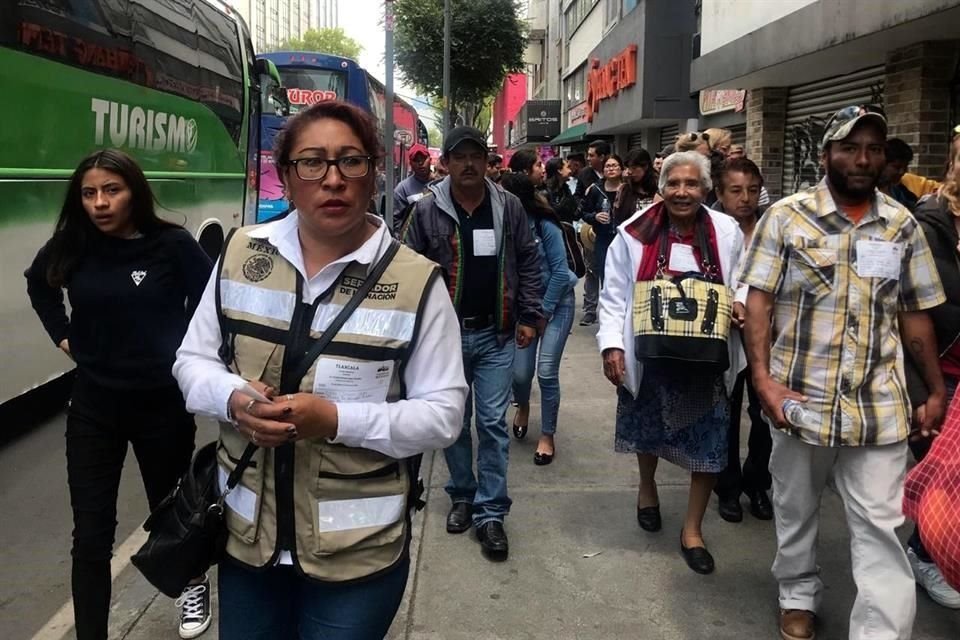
836	334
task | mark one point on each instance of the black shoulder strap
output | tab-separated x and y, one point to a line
226	342
321	344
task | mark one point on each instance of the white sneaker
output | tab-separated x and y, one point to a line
929	577
194	605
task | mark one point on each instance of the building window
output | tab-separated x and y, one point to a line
611	13
575	86
575	14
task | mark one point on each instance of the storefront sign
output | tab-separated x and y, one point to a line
538	121
608	80
577	115
724	100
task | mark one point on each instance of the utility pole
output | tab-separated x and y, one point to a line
446	67
388	142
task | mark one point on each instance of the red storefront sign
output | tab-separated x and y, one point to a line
607	81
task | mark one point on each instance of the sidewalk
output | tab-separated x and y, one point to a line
633	584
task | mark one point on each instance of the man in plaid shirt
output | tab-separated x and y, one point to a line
844	273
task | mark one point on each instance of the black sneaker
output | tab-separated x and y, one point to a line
194	605
588	320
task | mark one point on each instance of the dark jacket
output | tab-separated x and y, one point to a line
939	228
433	230
585	178
563	202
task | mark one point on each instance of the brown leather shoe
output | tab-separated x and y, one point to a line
797	624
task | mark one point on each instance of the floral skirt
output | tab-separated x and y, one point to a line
680	416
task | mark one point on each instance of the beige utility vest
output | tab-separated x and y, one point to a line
342	512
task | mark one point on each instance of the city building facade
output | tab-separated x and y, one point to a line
797	61
273	21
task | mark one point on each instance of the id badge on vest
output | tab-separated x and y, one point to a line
351	381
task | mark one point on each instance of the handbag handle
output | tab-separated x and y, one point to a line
710	266
358	296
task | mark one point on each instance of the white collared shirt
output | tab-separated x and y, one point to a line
429	418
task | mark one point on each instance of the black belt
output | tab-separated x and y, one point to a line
475	323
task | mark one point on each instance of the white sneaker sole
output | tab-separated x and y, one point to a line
187	634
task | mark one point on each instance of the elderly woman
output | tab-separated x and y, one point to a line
319	526
675	411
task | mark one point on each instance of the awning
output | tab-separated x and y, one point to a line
575	133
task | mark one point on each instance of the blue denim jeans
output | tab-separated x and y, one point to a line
546	362
489	372
278	603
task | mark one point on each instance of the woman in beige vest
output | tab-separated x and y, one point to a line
319	526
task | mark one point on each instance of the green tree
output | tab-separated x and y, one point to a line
332	41
434	136
488	39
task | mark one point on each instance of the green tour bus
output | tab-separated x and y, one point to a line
175	83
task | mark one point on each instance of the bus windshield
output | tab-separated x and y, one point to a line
306	86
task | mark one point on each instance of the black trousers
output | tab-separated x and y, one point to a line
755	473
100	423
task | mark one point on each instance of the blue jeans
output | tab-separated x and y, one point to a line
547	365
278	603
489	372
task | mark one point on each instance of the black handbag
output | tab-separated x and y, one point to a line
188	533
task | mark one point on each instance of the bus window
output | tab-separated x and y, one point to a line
308	86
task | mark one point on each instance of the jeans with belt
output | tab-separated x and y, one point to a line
546	362
278	603
489	373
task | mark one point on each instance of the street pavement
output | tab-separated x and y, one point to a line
579	566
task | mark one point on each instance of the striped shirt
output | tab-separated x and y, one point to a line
836	334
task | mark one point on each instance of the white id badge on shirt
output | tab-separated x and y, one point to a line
484	243
414	197
682	259
350	381
878	259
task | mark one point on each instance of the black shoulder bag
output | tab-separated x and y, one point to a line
188	533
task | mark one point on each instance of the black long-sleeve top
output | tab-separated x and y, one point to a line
130	301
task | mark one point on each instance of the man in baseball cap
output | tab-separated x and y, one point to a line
480	236
850	277
413	186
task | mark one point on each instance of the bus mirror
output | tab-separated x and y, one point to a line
267	68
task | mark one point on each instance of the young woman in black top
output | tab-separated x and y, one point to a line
557	192
597	209
133	281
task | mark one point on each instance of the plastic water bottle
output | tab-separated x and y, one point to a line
605	207
796	413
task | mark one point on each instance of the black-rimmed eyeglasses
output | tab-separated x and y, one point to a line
350	167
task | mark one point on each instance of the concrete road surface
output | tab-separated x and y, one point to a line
579	567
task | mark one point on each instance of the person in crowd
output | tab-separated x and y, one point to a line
528	162
132	280
597	154
720	140
739	195
660	157
670	411
597	211
694	141
921	186
439	171
412	187
899	155
559	305
827	368
939	217
558	196
639	187
736	151
479	235
576	162
494	166
298	562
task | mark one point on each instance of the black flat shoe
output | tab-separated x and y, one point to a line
698	558
760	507
542	459
730	509
519	431
493	541
460	517
649	518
